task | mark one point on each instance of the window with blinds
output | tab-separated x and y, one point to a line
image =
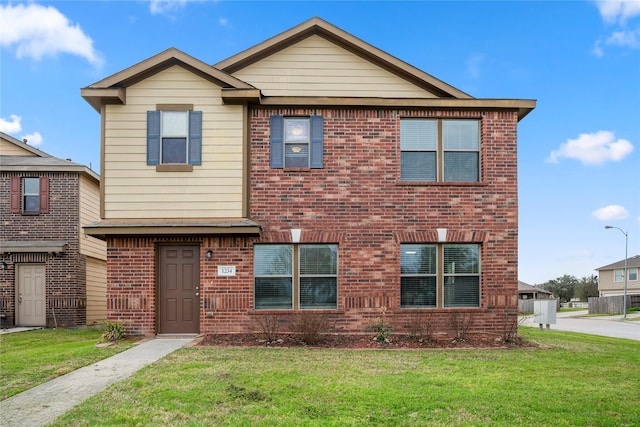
445	150
439	275
296	276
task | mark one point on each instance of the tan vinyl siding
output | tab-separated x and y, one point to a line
90	212
317	67
96	291
135	190
9	149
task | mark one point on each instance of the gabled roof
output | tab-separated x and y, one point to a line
526	288
319	27
112	90
23	145
633	261
40	161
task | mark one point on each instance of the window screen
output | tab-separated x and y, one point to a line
273	271
418	145
31	194
461	273
318	276
418	270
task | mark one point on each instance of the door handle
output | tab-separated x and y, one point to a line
197	293
20	299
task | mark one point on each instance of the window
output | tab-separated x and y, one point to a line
618	275
439	150
174	137
437	275
29	195
633	274
296	276
296	142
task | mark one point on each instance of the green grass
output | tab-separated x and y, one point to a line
30	358
575	380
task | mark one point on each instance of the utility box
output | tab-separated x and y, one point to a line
544	312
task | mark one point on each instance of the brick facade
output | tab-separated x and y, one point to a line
357	202
65	272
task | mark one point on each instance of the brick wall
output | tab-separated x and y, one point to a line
358	196
65	273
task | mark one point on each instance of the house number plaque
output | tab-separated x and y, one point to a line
226	270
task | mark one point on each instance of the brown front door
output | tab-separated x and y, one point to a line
179	287
31	295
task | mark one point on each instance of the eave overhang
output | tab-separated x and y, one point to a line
237	226
31	246
522	106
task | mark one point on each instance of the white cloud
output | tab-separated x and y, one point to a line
39	31
12	125
625	38
34	139
611	212
166	6
619	13
618	10
223	22
593	149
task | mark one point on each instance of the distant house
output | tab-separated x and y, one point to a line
311	173
526	291
51	272
611	278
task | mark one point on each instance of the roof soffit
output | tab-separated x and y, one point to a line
321	28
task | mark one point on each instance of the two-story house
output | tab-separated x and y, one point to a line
51	272
611	278
312	172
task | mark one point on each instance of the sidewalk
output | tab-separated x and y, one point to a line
42	404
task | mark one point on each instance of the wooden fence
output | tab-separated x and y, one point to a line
526	305
612	305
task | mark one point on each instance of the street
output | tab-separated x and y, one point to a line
608	326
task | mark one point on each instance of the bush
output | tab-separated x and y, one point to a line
269	326
310	326
113	331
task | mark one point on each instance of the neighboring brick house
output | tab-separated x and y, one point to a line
51	273
312	172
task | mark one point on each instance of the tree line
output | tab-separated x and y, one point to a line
568	287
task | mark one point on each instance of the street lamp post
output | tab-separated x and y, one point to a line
626	246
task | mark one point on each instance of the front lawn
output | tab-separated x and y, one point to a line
30	358
575	380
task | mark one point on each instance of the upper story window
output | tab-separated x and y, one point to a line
446	150
174	137
300	276
29	195
618	275
633	274
296	142
439	275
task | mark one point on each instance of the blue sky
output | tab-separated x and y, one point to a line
579	150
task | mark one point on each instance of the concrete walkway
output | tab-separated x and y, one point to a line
607	326
42	404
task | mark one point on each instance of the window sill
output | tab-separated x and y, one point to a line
174	168
439	184
291	311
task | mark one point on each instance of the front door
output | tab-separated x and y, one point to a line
31	295
179	287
